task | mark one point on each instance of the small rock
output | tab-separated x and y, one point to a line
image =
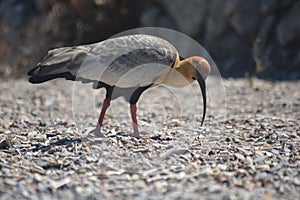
5	143
239	156
260	159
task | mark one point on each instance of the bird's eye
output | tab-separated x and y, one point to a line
193	78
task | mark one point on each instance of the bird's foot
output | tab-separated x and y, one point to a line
97	132
136	134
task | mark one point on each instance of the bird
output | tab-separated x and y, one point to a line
125	66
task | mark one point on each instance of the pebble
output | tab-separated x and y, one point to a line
4	143
260	159
239	156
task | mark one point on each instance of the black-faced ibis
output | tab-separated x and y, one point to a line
125	66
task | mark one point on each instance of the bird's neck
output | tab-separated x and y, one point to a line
181	75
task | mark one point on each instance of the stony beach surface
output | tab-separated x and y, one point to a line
249	147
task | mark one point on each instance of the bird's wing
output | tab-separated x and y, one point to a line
128	61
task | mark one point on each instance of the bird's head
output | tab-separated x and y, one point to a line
201	66
199	69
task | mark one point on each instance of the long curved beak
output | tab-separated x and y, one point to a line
202	85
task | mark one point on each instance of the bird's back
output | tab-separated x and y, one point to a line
128	61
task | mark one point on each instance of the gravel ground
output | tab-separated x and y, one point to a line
252	153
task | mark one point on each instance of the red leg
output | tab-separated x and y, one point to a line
134	120
105	105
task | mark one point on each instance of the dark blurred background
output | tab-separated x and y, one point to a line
245	38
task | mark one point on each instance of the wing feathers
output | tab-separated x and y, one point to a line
108	61
63	62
